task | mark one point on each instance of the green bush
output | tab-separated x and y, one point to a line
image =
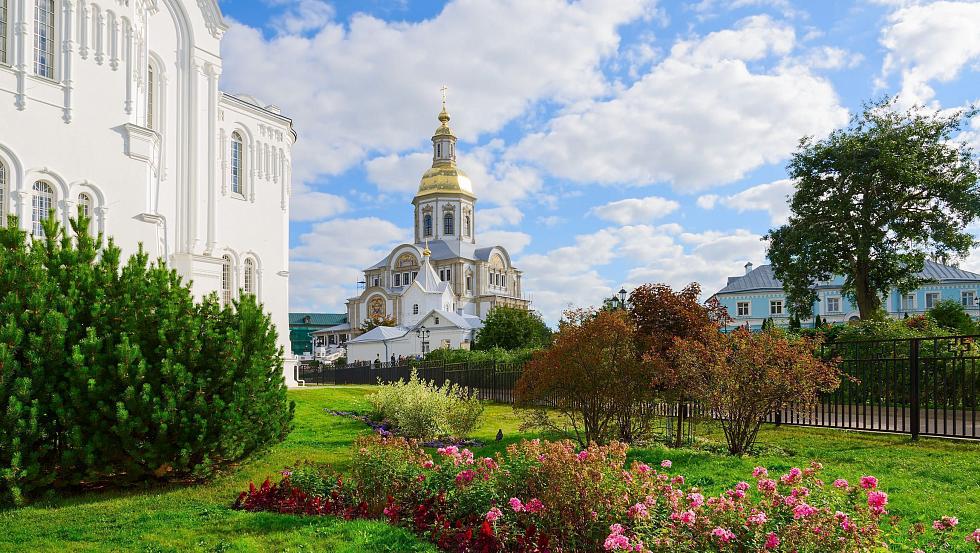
421	409
492	355
951	314
513	328
112	374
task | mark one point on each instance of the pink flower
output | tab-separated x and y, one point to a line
877	501
643	468
766	485
802	511
793	476
869	482
428	464
534	506
945	523
841	483
638	511
845	521
493	514
616	540
490	463
583	455
677	480
974	537
686	518
772	541
696	500
759	472
758	519
666	463
465	477
723	534
516	504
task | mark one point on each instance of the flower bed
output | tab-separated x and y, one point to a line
548	496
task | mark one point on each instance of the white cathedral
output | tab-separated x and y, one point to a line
113	107
440	288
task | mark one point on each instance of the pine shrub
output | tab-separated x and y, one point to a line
110	373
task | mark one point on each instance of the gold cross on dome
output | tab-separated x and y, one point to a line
444	89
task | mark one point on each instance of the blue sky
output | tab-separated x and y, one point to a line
611	142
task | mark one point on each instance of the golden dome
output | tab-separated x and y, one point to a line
443	129
445	178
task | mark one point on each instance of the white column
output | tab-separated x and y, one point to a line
20	47
98	20
212	72
83	29
131	73
113	30
68	47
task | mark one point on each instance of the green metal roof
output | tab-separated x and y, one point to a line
318	319
300	330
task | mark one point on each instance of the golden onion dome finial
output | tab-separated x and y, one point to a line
426	252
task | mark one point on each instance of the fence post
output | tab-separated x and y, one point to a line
914	400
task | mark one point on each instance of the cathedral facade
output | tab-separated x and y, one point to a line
445	269
113	108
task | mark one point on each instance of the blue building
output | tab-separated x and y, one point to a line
757	295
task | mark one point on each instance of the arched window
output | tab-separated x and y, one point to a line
415	309
466	224
3	189
151	83
248	278
85	204
427	225
44	38
448	224
42	204
3	31
237	163
226	280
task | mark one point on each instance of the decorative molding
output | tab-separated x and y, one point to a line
212	18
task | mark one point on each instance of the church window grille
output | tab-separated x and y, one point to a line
469	283
398	279
44	38
405	279
415	275
438	150
150	96
249	276
3	191
466	226
226	280
503	281
3	31
448	224
237	162
43	202
437	320
415	309
377	281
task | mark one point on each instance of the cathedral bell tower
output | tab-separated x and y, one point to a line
444	203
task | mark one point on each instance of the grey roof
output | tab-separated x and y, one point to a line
462	321
332	329
380	334
763	278
440	250
427	278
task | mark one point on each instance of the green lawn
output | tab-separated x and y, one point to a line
924	481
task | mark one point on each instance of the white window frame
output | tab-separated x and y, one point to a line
972	294
249	277
398	279
772	307
930	295
449	224
415	309
226	275
738	308
49	51
4	32
907	305
152	77
237	165
41	205
377	281
427	224
836	299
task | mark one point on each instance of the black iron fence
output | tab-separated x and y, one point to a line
916	386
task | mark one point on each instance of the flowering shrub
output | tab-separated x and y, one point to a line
421	409
548	496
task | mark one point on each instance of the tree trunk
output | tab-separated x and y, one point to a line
680	423
867	300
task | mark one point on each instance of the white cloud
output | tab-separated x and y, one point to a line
514	242
302	16
931	42
707	201
699	118
368	85
636	210
507	215
307	205
398	173
831	57
772	197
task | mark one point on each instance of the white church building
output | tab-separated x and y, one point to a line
113	106
440	288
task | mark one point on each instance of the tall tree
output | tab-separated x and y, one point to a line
374	322
875	199
513	328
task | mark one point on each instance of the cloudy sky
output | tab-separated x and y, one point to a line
610	142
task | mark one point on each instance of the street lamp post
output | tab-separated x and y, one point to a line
423	335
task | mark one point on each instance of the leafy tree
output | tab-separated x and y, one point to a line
375	322
111	373
817	322
593	376
873	200
951	314
662	316
794	323
744	376
513	328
